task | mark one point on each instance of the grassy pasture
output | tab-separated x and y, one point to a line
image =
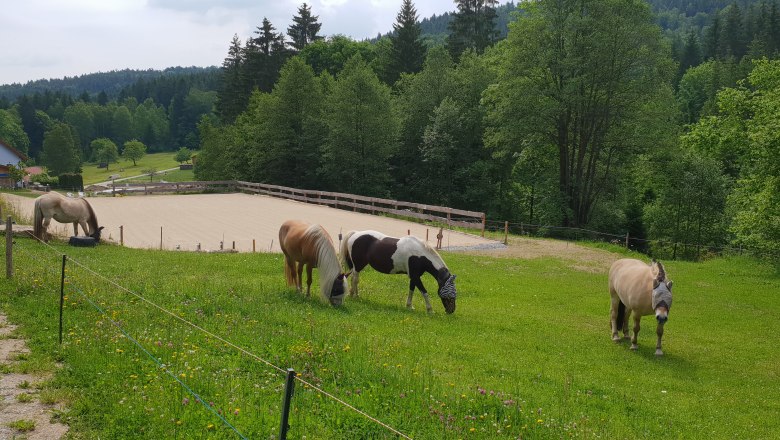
160	161
527	353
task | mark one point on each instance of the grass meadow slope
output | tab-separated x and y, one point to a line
527	353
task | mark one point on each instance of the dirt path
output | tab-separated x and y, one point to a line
22	415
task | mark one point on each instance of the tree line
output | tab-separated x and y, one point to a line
578	118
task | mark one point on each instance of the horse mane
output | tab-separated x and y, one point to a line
434	253
327	261
92	220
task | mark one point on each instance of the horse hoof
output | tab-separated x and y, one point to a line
659	352
616	339
634	346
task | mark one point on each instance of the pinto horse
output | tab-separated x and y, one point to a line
642	289
55	206
393	255
310	245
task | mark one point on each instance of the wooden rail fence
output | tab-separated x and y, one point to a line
357	203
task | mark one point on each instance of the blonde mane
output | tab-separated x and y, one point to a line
328	261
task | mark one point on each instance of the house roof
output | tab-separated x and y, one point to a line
13	150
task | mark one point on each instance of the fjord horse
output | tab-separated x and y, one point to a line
642	289
310	245
392	255
54	205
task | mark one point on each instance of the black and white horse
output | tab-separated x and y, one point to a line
393	255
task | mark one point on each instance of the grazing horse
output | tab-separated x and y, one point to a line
310	245
392	255
642	289
55	206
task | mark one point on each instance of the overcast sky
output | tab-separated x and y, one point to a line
41	39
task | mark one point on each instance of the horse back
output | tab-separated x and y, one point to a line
295	241
632	281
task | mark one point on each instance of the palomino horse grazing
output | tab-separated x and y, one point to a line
642	289
310	245
55	206
392	255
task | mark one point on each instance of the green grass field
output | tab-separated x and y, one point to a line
527	353
125	168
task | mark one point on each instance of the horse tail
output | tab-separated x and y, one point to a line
621	315
38	220
345	254
289	272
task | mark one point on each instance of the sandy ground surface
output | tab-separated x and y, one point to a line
12	385
186	221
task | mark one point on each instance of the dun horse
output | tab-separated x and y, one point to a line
55	206
310	245
642	289
392	255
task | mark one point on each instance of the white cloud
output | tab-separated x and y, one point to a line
54	38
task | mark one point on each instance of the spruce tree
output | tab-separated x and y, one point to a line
264	55
407	52
304	28
231	98
473	27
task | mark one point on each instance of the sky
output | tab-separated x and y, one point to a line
44	39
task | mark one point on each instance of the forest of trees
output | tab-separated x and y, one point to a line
653	118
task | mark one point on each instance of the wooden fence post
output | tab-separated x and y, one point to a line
626	240
62	292
506	232
121	235
9	243
483	225
253	245
161	237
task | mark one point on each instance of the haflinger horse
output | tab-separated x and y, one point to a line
642	289
311	246
392	255
54	205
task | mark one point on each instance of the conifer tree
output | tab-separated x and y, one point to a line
304	28
407	52
232	96
265	54
473	26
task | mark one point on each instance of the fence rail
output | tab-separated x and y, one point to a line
450	216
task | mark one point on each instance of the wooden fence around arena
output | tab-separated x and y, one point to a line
357	203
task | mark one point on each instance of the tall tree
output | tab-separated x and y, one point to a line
265	54
472	27
295	130
104	151
134	150
11	131
590	81
60	152
232	96
407	50
362	134
304	29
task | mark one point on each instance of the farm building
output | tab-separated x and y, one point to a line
9	156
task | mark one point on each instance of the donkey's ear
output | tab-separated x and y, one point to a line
669	285
346	275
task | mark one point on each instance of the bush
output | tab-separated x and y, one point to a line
73	182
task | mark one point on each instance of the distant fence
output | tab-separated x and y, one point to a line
450	216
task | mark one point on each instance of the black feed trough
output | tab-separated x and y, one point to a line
82	241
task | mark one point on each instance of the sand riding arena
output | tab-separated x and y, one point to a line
212	222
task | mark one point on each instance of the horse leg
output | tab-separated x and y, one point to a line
308	280
626	335
613	315
76	229
45	234
424	293
634	345
660	332
353	283
411	292
299	281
